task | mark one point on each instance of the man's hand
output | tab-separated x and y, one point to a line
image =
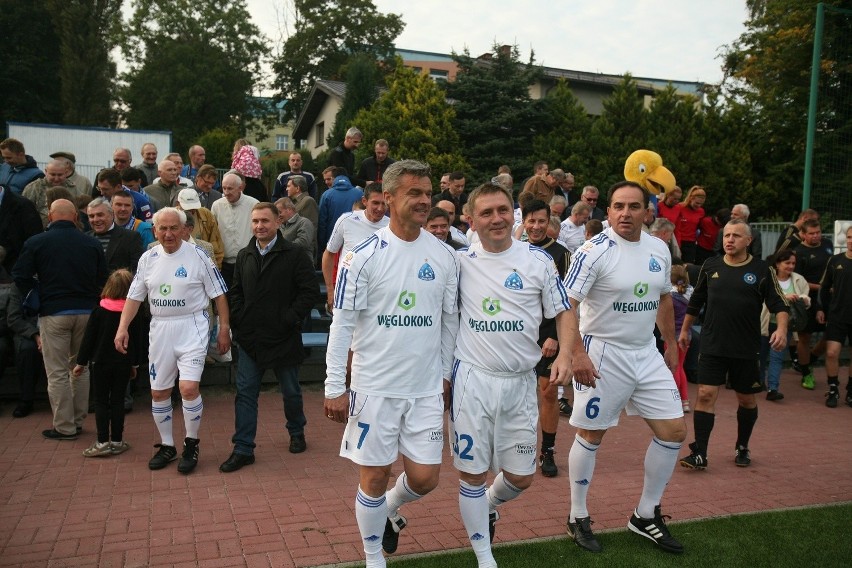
778	339
684	339
549	348
121	339
560	371
448	395
820	317
584	371
223	339
337	408
78	370
671	357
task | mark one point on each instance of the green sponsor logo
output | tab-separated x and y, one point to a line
491	306
406	300
165	289
640	289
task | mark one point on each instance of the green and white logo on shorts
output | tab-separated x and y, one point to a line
640	289
406	300
165	289
491	306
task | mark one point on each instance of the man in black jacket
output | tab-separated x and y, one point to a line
121	247
343	155
19	220
71	271
274	281
373	167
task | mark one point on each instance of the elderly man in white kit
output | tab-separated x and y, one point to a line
179	279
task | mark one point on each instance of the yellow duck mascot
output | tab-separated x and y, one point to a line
646	168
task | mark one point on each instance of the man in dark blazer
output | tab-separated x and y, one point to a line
121	247
19	220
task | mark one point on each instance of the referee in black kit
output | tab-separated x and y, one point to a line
733	288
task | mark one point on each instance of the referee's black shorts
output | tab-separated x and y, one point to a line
742	374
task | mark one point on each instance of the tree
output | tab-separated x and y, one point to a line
213	91
362	79
415	119
86	69
30	83
194	66
617	132
767	70
564	140
327	33
495	116
218	144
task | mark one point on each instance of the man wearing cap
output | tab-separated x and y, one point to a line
81	182
148	167
57	176
206	227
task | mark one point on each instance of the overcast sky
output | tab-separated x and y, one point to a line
667	39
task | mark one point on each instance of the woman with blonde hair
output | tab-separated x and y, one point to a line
689	216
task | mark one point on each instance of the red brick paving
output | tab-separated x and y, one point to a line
60	509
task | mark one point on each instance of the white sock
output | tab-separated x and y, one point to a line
581	468
371	514
500	492
399	495
660	460
192	411
162	412
473	505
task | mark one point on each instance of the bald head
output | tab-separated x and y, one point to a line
449	207
62	210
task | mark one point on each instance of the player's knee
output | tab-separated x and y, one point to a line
160	395
189	390
520	481
591	436
374	481
832	350
423	482
475	479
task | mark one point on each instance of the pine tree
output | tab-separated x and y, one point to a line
564	142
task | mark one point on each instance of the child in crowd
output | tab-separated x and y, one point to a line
110	370
681	291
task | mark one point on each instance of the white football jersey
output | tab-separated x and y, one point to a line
400	291
502	298
352	228
177	284
619	283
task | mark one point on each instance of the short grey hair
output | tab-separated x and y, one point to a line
354	132
286	203
558	175
300	182
662	224
591	190
581	207
743	209
558	200
167	211
739	222
100	202
391	177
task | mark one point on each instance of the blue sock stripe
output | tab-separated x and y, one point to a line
369	501
512	487
196	408
673	446
407	488
586	445
165	410
475	493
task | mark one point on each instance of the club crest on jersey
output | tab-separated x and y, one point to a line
640	289
406	300
180	272
347	259
491	306
749	278
165	289
654	266
514	282
426	272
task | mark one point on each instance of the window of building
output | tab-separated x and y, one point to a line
319	132
438	74
282	142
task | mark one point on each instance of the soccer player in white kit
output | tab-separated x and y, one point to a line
395	306
621	276
505	288
179	279
349	230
